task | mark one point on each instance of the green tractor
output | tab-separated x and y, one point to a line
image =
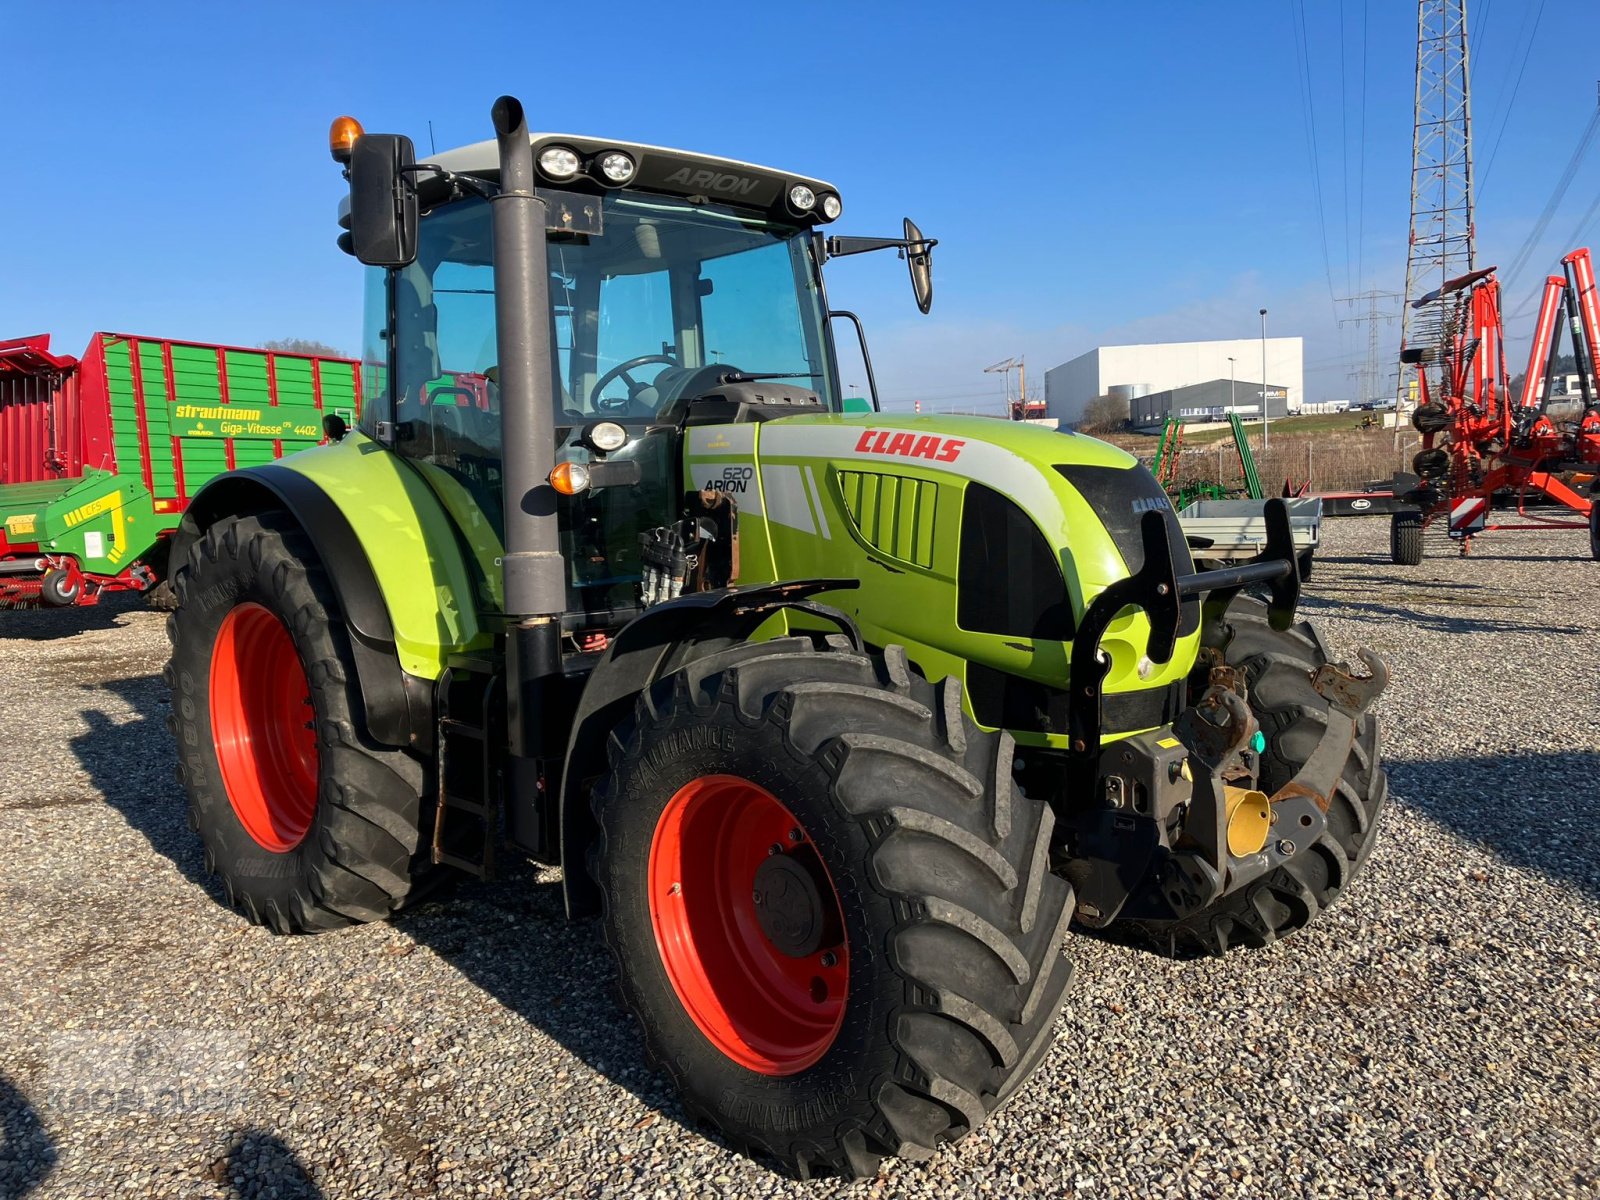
838	720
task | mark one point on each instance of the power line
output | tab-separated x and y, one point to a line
1557	194
1574	240
1344	145
1505	116
909	395
1309	116
1483	21
1583	222
1361	159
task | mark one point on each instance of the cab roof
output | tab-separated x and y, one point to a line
657	169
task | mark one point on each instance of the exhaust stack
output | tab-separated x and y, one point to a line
535	581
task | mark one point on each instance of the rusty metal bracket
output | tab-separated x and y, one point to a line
1216	728
1353	693
1348	696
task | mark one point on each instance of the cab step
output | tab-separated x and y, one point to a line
466	822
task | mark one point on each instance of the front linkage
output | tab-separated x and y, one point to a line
1184	802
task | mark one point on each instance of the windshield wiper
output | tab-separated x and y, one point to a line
752	376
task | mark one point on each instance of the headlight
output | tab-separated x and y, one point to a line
802	197
558	162
832	206
616	166
606	436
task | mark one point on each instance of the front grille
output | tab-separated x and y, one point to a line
893	514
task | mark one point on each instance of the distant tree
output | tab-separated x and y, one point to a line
303	346
1104	414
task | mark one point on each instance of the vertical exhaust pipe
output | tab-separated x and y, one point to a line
535	581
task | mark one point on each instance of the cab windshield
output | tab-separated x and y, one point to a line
643	314
667	287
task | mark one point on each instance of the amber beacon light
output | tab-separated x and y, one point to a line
342	135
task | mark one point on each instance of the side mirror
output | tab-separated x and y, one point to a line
383	200
920	263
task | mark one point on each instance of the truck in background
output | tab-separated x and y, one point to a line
99	454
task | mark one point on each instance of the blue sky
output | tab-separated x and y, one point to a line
1095	172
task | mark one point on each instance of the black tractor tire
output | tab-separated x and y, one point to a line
950	921
163	597
357	807
1431	464
1304	560
1405	539
1432	417
1292	715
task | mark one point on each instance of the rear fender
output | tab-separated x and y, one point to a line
662	640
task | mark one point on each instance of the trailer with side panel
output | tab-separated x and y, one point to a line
100	453
1228	531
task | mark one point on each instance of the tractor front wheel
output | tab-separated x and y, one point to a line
1293	715
309	824
831	908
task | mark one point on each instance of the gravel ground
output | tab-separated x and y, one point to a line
1434	1035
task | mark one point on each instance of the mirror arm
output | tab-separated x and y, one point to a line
465	183
866	357
838	247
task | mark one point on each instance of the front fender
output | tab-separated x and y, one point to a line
658	642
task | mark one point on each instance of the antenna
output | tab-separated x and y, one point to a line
432	149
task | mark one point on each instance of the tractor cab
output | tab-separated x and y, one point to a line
681	290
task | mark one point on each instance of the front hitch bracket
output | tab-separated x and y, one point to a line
1157	590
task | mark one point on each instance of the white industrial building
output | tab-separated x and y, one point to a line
1131	371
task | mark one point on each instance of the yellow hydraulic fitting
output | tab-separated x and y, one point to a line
1249	820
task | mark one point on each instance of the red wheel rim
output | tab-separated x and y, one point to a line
261	719
771	1010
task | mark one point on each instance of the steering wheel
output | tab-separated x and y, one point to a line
601	404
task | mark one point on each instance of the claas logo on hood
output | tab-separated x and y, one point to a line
909	445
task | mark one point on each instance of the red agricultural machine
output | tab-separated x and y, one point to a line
1491	461
100	453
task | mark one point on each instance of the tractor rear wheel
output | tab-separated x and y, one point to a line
1405	538
1292	715
831	908
308	823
